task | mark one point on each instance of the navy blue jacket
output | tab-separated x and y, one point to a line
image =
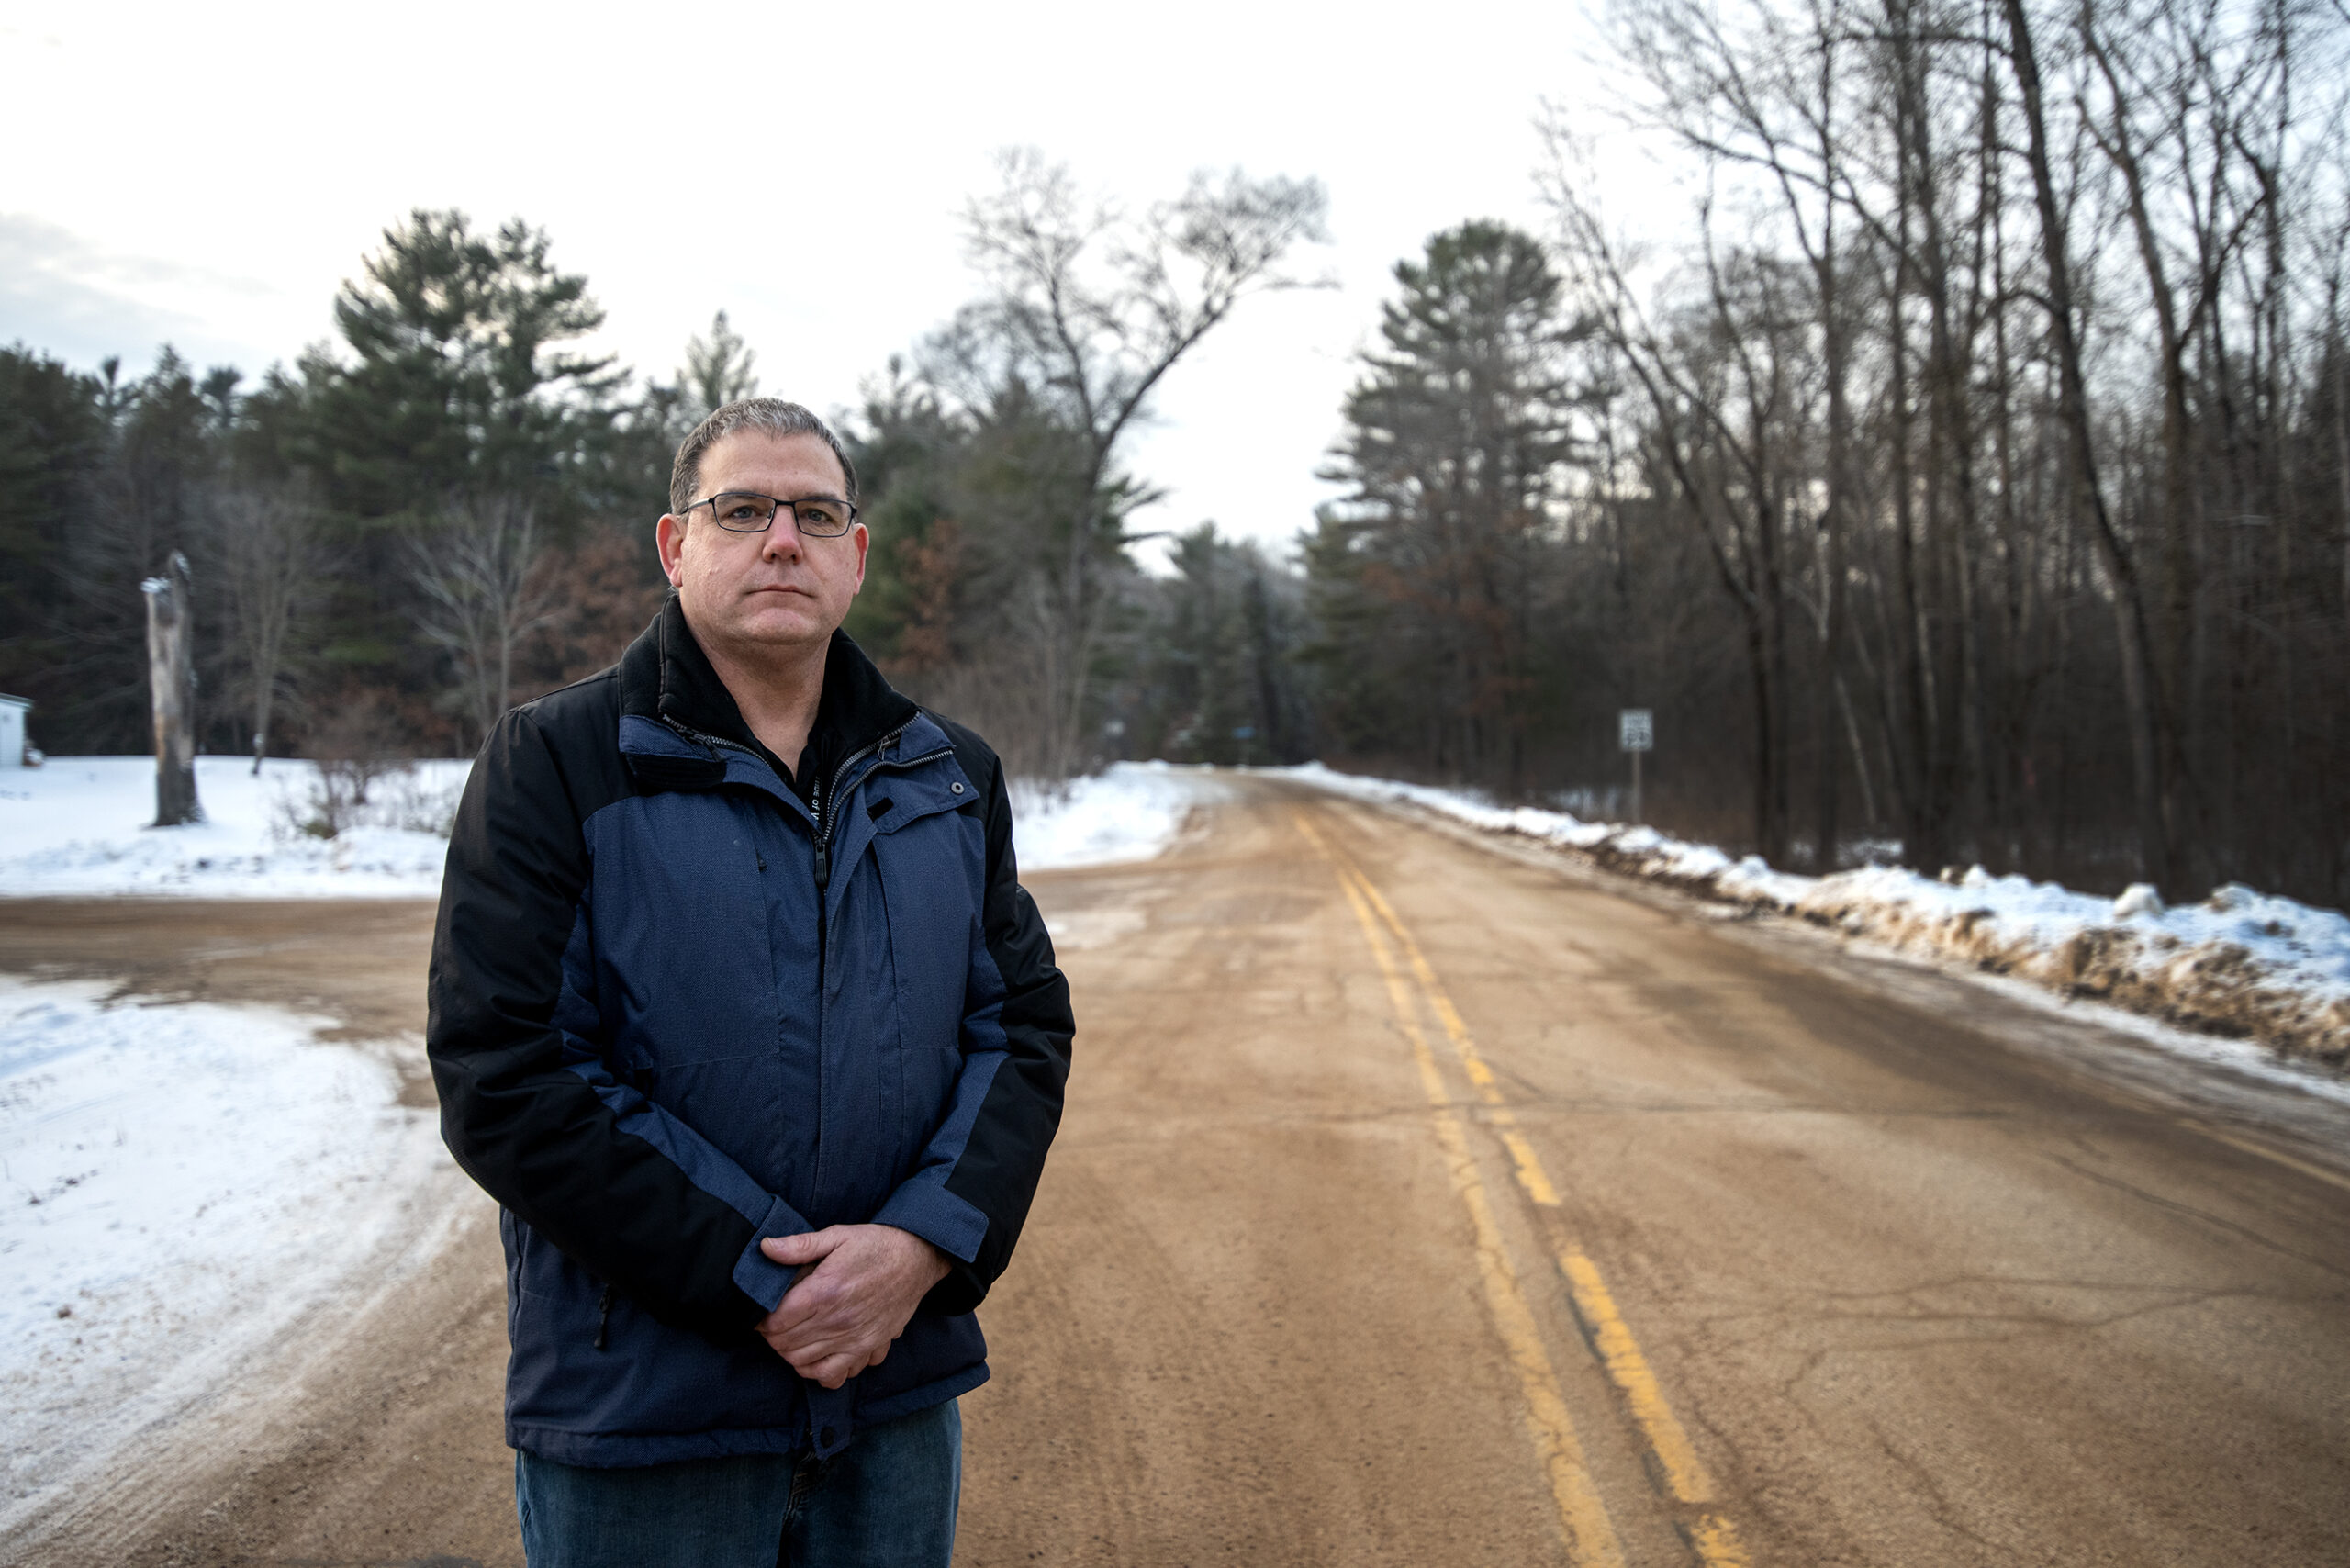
677	1006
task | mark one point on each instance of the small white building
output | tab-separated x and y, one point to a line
12	729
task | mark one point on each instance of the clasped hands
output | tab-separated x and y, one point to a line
858	1286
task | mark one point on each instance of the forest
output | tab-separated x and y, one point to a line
1966	479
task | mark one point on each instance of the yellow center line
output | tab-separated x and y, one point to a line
1530	1174
1686	1475
1591	1539
1713	1538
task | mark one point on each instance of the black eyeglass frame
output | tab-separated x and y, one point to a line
776	504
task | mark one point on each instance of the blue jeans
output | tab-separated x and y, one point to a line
886	1500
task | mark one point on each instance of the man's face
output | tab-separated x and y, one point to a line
755	595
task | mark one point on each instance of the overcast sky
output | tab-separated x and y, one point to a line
207	174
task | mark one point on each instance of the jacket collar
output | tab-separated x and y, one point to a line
666	678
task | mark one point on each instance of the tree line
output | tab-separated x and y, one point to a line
1971	477
1968	479
446	509
391	539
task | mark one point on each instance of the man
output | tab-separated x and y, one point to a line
739	1011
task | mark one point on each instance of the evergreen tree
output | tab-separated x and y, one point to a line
1221	679
141	506
1426	578
718	369
964	501
53	442
457	381
454	406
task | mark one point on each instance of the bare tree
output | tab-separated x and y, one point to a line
2057	257
271	560
486	593
1723	371
1776	100
1086	310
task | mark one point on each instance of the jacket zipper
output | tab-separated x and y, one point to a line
689	732
824	839
825	796
820	806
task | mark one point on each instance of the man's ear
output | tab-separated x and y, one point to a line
669	542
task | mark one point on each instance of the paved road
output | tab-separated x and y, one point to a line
1417	1204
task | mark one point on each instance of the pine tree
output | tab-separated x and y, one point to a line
456	380
53	438
1455	435
454	407
718	369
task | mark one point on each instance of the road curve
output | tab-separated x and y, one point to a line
1421	1204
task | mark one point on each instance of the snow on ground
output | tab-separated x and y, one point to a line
2240	964
1132	810
177	1183
78	826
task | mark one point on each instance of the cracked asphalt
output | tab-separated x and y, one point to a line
1423	1200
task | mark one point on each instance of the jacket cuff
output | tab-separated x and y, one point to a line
759	1276
938	1216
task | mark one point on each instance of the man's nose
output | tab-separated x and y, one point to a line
782	541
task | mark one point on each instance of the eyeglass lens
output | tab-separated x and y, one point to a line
742	512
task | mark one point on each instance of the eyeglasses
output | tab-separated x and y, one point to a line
746	511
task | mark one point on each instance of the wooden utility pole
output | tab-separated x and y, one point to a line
171	677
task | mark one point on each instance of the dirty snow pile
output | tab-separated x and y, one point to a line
77	826
1131	811
179	1184
2241	963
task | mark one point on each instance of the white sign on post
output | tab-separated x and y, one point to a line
1635	732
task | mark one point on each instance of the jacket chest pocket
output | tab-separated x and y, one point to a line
934	918
691	947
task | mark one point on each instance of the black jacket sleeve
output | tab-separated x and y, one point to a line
1004	1157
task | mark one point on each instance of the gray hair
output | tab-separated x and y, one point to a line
770	416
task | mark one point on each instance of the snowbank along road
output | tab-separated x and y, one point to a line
1417	1204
